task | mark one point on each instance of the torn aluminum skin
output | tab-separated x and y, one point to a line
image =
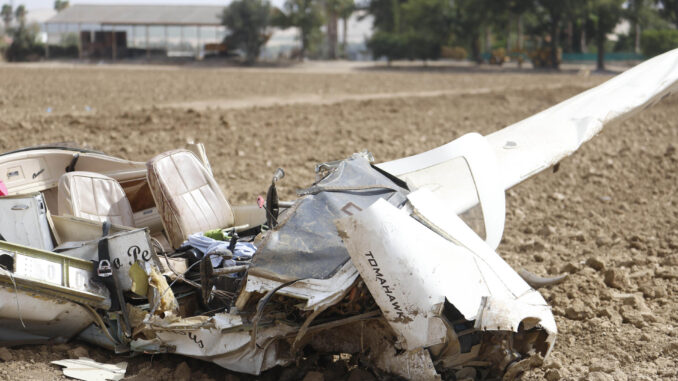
440	286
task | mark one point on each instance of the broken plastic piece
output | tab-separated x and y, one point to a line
90	370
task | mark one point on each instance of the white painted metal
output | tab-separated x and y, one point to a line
125	248
45	317
411	267
463	172
318	293
223	340
538	142
90	370
24	221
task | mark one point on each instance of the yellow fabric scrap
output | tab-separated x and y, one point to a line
139	279
167	300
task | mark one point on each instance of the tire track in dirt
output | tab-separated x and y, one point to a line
330	99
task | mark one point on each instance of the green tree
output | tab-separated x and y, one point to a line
669	10
305	15
656	42
553	13
633	13
515	10
7	16
427	27
20	14
468	18
417	29
605	15
25	45
60	5
248	22
386	15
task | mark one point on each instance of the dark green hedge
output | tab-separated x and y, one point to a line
654	42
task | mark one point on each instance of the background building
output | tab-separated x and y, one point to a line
121	31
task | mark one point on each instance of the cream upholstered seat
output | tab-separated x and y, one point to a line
95	197
188	198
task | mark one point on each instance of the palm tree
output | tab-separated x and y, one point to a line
7	16
20	15
60	5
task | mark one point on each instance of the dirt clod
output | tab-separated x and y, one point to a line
552	375
78	352
182	372
578	311
595	263
600	376
5	354
616	278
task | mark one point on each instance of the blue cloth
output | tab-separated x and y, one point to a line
243	250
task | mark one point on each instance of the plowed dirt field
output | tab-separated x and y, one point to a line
608	216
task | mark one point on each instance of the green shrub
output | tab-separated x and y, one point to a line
60	51
654	42
24	45
390	45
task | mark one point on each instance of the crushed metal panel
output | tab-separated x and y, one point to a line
463	172
305	244
33	318
393	252
502	281
56	274
403	265
25	221
42	296
222	339
318	293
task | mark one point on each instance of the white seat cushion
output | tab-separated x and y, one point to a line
95	197
188	198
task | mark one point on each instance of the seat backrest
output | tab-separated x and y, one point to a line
95	197
188	198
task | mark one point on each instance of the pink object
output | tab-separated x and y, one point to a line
260	201
3	189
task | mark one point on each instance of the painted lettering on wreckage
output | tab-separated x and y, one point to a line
386	286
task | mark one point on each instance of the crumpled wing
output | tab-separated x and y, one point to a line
540	141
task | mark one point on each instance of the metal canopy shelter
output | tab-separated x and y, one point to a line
107	26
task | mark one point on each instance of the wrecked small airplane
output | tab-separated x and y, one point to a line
395	261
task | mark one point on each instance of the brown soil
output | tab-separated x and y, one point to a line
608	217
